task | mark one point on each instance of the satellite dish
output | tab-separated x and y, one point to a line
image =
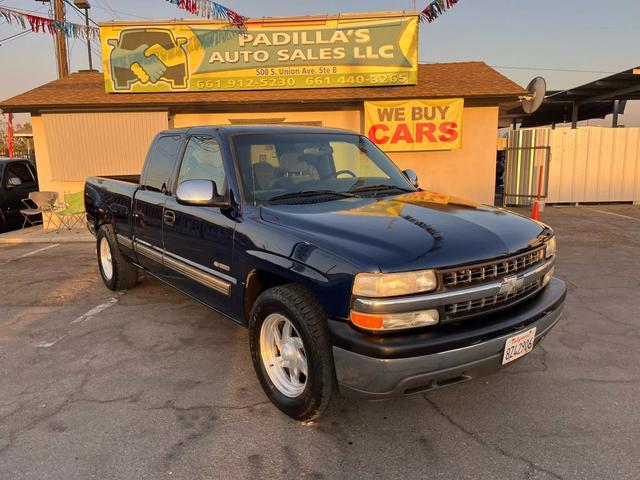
537	89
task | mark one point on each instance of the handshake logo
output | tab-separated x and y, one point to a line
148	56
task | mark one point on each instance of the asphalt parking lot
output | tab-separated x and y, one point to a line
149	384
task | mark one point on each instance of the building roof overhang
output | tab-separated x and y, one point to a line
595	99
476	82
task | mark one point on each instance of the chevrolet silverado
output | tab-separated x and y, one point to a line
349	277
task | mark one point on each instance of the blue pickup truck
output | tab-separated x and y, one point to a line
348	276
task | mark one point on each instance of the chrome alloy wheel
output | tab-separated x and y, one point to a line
283	356
105	259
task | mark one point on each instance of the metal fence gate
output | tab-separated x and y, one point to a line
522	175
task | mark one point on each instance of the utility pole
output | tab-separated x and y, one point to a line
10	136
83	4
616	112
61	41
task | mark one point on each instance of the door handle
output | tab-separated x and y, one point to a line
169	217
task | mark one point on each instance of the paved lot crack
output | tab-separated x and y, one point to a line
607	381
198	421
41	418
71	398
481	441
170	405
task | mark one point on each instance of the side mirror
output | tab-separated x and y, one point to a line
412	177
200	192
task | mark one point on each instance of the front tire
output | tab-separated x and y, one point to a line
116	272
291	352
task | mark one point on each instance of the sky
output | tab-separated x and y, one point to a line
569	42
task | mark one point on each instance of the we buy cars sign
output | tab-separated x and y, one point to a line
415	125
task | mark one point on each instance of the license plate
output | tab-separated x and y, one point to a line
518	345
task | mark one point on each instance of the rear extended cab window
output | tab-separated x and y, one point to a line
158	169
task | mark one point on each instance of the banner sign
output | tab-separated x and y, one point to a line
267	55
414	125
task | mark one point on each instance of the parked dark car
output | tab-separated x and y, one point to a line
17	179
346	274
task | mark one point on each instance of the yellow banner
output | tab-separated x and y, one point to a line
349	51
414	125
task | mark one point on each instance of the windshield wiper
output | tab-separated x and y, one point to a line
310	193
377	188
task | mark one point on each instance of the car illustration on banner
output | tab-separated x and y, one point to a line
148	56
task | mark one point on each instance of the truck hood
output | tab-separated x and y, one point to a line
409	231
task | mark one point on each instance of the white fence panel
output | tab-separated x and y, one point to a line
588	164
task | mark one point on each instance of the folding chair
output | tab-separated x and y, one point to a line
38	203
72	211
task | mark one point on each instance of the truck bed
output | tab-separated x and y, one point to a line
122	178
111	196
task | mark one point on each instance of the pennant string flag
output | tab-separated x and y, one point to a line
210	9
49	25
435	9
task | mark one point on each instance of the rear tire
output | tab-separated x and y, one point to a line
291	353
117	273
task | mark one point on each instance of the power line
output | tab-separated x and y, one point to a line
114	12
94	49
80	12
545	69
15	36
73	44
110	9
570	70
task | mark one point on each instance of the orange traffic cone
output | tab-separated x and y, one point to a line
535	213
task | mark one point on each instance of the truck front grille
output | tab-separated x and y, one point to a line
458	310
482	272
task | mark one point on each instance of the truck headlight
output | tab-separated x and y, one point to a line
394	321
550	249
394	284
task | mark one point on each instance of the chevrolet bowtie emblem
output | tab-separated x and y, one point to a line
511	284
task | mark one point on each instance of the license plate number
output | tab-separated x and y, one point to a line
518	345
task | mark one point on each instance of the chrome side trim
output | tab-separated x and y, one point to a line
183	266
199	276
124	241
227	278
431	300
137	240
150	252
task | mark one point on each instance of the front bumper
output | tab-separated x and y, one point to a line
377	367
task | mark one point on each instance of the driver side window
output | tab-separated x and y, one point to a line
202	160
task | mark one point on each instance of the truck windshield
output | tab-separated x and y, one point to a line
286	168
